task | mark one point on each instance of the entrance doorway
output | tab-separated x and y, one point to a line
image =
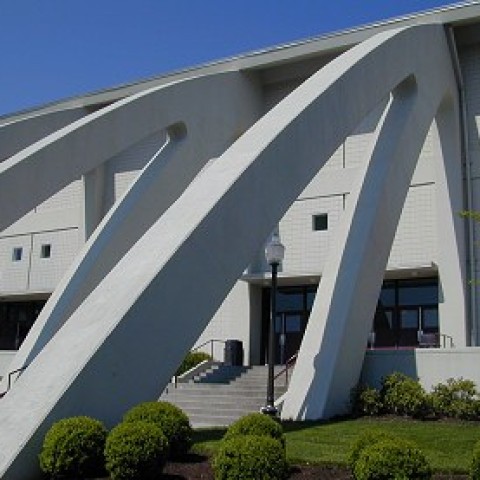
406	310
16	319
294	305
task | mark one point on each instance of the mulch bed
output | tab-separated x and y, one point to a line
197	467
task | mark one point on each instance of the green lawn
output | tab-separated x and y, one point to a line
448	445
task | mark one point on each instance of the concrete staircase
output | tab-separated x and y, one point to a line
221	394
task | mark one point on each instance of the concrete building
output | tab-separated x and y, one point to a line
141	213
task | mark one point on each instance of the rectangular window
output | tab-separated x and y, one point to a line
320	222
46	251
17	254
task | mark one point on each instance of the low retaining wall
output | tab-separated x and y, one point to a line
429	365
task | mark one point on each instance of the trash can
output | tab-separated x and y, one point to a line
233	353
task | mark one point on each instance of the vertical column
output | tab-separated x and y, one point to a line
450	226
332	350
93	200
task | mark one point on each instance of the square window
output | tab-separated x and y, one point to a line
17	254
46	251
320	222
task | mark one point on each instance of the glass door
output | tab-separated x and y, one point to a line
409	326
289	330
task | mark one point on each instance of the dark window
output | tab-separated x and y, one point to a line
387	296
320	222
16	319
430	319
289	299
418	294
17	254
406	309
46	251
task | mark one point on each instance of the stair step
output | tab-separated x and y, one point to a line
222	394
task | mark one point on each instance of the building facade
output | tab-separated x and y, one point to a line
145	210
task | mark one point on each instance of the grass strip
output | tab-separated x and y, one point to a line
448	445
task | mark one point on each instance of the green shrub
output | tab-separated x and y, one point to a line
73	447
191	360
136	451
365	440
365	400
172	421
403	395
457	398
389	459
475	465
256	424
247	457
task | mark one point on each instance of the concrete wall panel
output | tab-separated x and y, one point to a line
14	274
46	273
230	322
430	366
415	241
306	249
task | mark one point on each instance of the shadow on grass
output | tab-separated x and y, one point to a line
208	434
295	426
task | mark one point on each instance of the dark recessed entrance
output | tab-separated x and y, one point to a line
16	319
293	309
406	311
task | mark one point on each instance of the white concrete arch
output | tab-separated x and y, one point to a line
331	355
159	184
180	270
53	162
19	134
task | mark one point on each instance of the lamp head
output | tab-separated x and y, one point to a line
274	251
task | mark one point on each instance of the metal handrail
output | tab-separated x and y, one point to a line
289	362
446	337
9	383
198	347
211	342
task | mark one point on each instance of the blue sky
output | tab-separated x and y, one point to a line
54	49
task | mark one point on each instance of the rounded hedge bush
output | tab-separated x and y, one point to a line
256	424
136	451
403	395
457	398
392	459
172	421
475	465
366	439
365	400
73	447
247	457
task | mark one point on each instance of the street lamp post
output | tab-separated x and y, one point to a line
274	253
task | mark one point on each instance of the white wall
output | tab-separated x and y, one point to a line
430	365
47	272
124	168
14	274
231	322
54	222
415	240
